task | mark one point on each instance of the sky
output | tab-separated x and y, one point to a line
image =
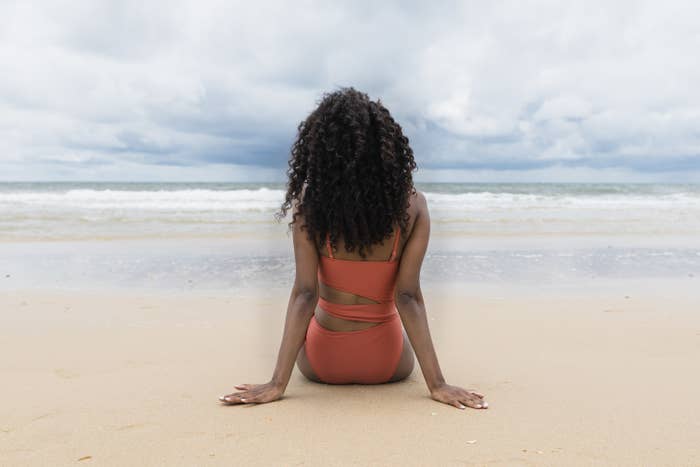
522	91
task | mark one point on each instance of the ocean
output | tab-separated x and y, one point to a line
60	211
224	235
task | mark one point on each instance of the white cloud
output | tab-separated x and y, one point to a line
150	89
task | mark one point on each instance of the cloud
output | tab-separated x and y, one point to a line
97	89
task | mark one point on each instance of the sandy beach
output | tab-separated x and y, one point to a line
160	163
586	375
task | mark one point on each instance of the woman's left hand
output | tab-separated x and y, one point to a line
254	394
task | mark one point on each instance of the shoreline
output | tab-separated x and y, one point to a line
177	265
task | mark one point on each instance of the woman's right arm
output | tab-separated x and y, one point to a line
411	307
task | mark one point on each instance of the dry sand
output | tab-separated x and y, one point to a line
573	377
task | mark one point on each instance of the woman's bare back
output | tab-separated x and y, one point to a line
380	252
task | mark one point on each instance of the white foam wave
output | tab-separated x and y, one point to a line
178	200
265	199
95	211
489	201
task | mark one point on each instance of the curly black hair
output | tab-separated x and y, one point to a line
352	166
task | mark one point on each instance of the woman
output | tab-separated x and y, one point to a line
360	233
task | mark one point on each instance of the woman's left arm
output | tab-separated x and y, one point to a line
300	310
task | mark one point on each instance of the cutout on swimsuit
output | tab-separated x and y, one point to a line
350	296
374	280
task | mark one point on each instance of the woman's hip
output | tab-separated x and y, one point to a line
367	356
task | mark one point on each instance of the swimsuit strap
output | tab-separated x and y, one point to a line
396	243
328	245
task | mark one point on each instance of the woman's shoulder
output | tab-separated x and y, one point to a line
417	203
417	207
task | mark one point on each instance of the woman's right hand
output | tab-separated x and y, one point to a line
254	394
458	397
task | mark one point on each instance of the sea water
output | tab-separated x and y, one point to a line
224	235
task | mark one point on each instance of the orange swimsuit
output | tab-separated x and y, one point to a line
369	355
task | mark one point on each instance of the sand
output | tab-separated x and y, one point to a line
576	376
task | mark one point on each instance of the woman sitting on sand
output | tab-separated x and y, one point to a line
360	233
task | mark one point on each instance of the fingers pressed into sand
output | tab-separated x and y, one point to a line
470	402
457	404
239	396
231	399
